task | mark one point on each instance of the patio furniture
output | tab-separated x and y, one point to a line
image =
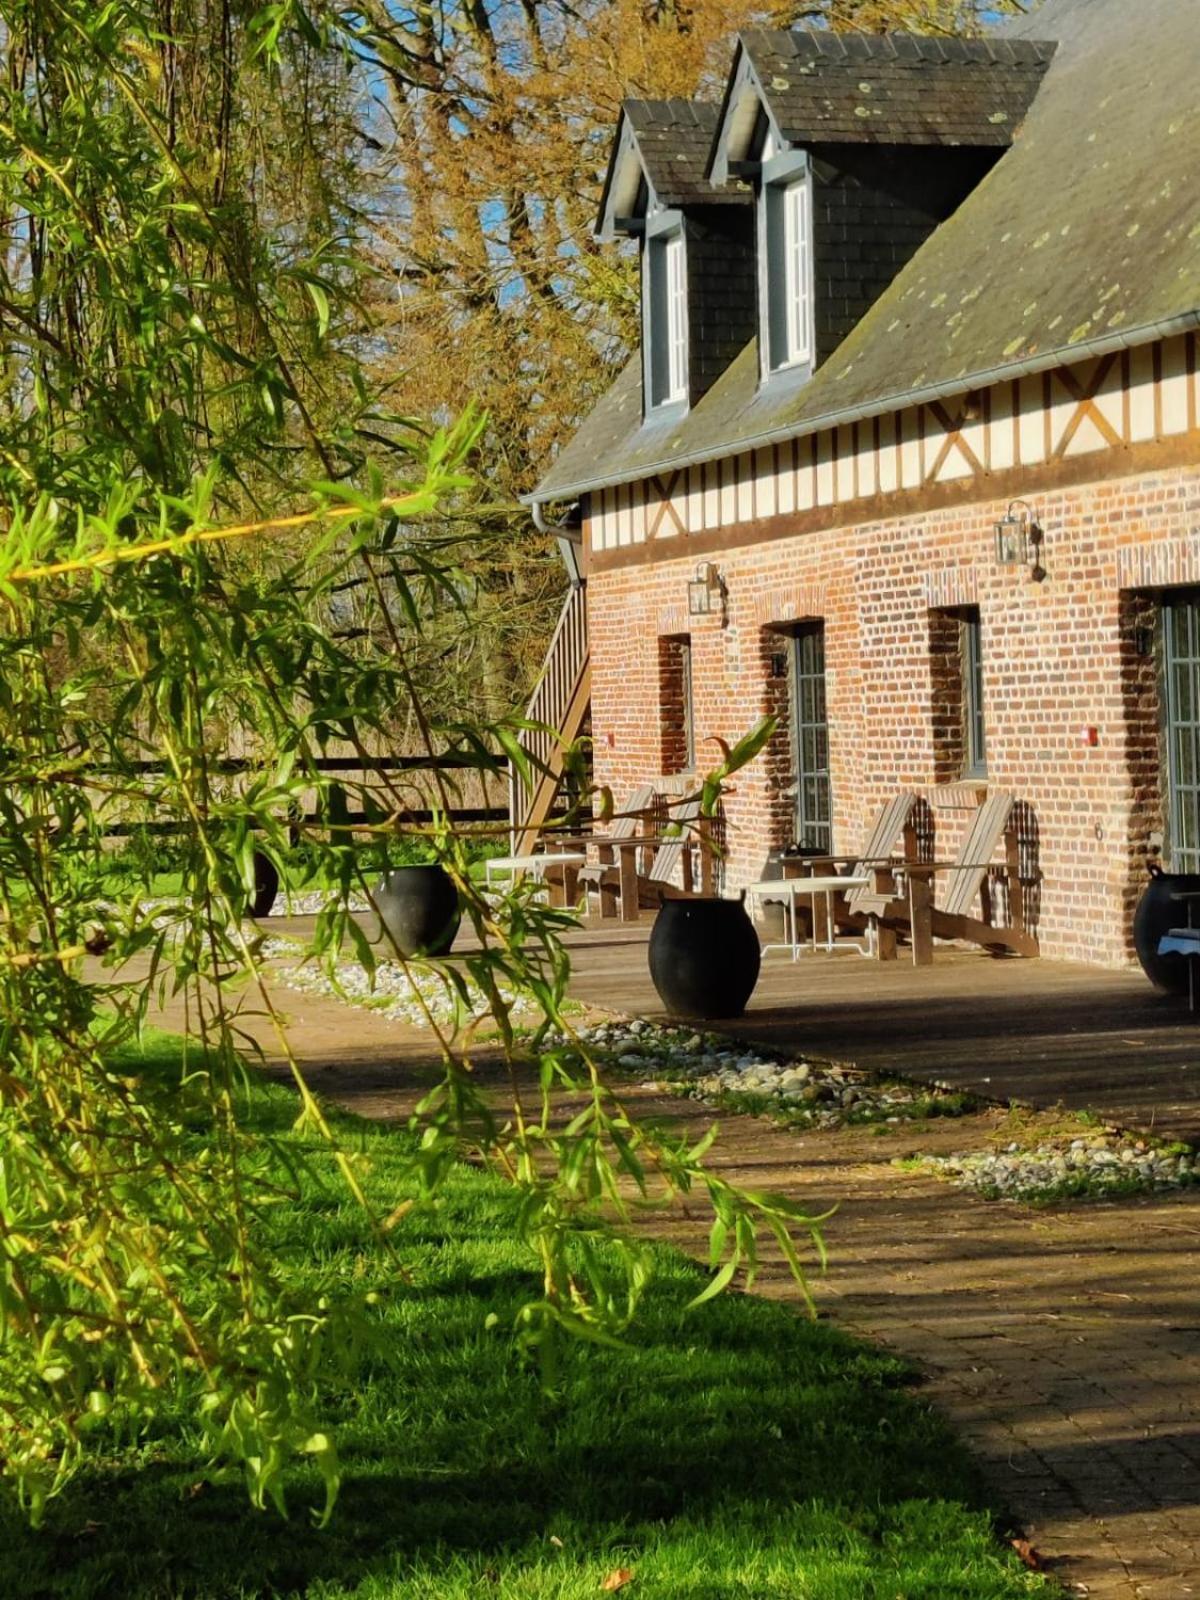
847	899
967	883
1185	942
604	875
673	854
637	870
564	865
786	892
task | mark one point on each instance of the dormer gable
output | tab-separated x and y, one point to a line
858	147
696	245
899	89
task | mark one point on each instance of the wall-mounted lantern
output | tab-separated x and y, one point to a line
707	594
1019	539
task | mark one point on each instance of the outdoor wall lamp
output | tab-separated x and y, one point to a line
1019	539
707	593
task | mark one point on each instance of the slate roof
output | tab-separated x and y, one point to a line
831	88
1085	234
674	140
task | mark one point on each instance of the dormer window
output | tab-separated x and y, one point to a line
786	256
697	245
664	301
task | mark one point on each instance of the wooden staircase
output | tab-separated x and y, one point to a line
561	702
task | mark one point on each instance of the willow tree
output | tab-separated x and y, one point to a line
196	467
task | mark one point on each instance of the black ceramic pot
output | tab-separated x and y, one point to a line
266	885
704	957
419	908
1156	912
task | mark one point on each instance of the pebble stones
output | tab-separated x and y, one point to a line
1112	1162
710	1068
403	995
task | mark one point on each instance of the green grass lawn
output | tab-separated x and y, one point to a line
127	870
738	1451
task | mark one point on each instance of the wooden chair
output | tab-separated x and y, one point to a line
675	855
636	869
603	876
964	910
860	908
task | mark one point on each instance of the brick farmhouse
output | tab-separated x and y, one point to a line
916	418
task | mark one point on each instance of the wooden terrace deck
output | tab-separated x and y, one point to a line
1014	1028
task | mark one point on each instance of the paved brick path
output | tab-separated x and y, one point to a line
1064	1345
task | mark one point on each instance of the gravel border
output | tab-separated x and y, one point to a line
396	992
717	1071
1106	1163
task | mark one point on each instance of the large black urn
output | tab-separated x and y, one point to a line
419	908
266	885
704	957
1156	912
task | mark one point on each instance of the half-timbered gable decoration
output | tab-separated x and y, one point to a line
958	445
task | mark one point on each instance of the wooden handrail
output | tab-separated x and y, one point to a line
559	701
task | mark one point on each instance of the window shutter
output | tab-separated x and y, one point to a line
796	254
676	320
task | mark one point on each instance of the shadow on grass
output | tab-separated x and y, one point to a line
737	1439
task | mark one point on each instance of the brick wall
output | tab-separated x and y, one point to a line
1071	652
674	707
947	697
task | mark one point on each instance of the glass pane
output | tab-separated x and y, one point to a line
1182	706
1185	762
1181	632
1187	821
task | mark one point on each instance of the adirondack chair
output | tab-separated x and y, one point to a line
963	908
857	908
674	855
603	876
866	904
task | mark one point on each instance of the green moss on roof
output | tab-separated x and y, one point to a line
1086	227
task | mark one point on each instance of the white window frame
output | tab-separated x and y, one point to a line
796	209
676	330
787	337
665	314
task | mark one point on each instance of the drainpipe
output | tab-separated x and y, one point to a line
569	536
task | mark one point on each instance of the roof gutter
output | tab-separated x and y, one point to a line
570	540
1085	350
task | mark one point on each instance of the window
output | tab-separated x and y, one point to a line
796	231
1181	631
676	331
810	739
786	262
665	333
975	765
956	683
678	753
